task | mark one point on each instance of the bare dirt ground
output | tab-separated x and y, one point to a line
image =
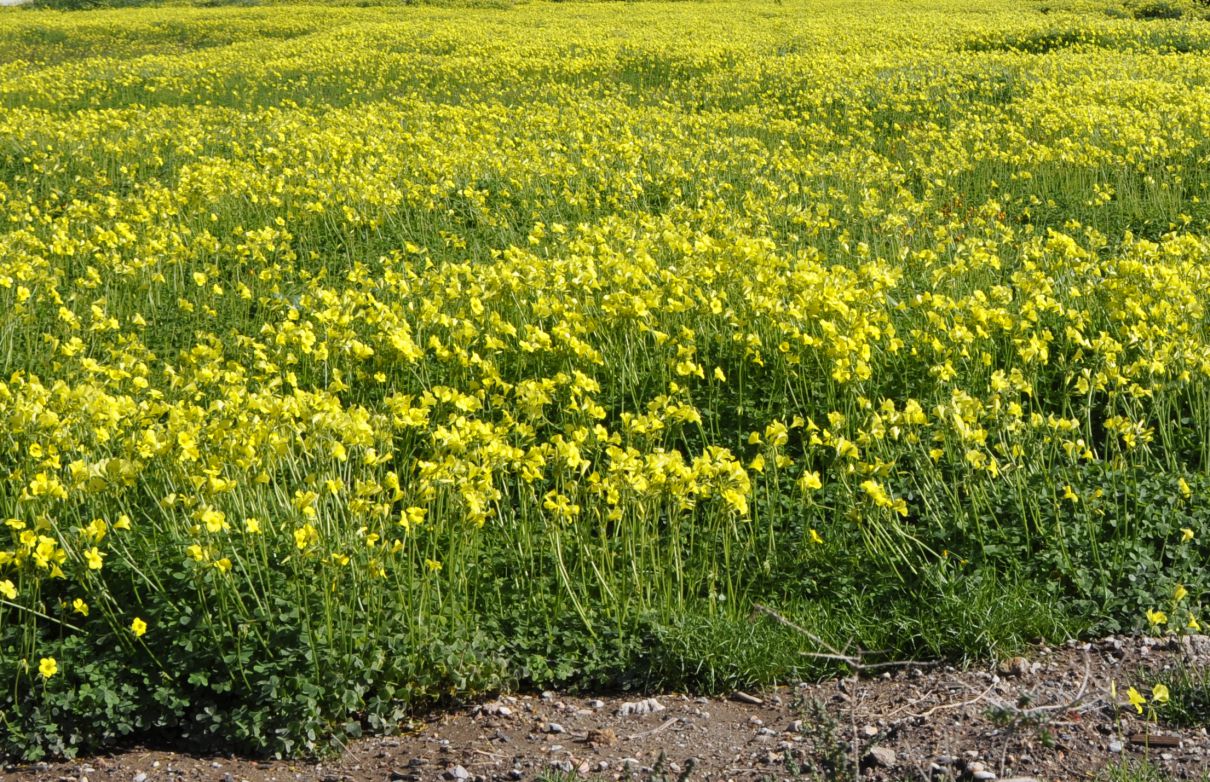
1048	715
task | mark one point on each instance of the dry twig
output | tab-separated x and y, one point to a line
668	723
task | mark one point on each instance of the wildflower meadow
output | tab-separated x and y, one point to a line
356	360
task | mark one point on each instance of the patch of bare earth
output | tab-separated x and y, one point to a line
1048	715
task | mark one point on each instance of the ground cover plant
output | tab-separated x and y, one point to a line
357	359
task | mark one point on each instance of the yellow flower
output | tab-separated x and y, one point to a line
1193	625
8	590
412	516
815	538
433	565
1159	693
93	557
96	530
138	627
1180	593
215	520
223	565
252	526
810	481
1186	534
48	667
1186	492
305	537
79	606
1136	699
1156	618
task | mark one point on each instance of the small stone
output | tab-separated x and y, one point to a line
744	697
1196	648
879	757
630	763
516	773
139	777
944	760
457	773
975	767
639	708
604	737
227	777
1019	779
596	703
764	732
566	766
554	727
869	731
756	721
1015	666
1115	747
983	776
794	727
1165	756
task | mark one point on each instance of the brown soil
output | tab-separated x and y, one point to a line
1048	716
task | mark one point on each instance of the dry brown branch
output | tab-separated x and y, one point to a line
958	705
668	723
1072	703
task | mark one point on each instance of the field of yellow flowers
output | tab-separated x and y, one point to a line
356	359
